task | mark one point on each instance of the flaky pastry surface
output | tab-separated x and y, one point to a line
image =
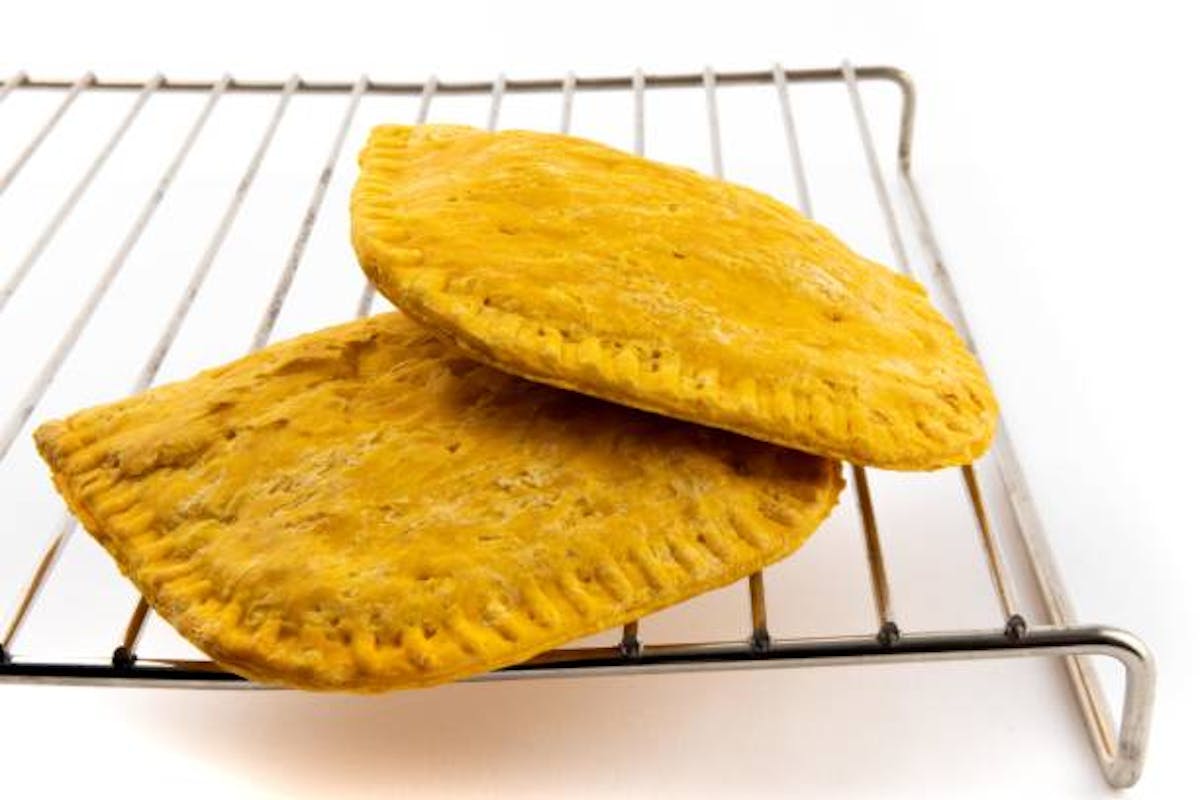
364	508
585	267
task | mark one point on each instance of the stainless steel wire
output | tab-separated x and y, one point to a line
124	653
1002	584
217	240
283	285
888	631
568	100
759	633
714	124
639	112
51	122
12	82
881	591
630	644
803	199
1121	754
877	182
497	99
427	93
41	382
77	192
1014	622
518	86
67	524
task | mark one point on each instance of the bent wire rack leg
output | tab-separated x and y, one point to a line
1121	754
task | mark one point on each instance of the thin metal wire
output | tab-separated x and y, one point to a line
1029	524
639	112
271	314
427	92
881	192
77	192
13	82
630	644
497	98
568	97
82	83
67	524
368	291
282	287
284	284
803	198
714	127
889	631
1121	754
133	630
1014	622
971	645
760	635
125	654
526	86
365	299
217	240
40	383
33	589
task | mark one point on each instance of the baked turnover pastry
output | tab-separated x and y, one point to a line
581	266
364	508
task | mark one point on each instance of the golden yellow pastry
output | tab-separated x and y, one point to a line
365	508
588	268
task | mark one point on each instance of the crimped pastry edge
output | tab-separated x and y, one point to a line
102	503
419	292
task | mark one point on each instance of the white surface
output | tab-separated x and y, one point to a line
1057	150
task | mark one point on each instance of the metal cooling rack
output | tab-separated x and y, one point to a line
1120	750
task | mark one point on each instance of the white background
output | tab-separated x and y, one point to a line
1057	148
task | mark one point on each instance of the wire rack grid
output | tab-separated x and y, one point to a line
992	491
